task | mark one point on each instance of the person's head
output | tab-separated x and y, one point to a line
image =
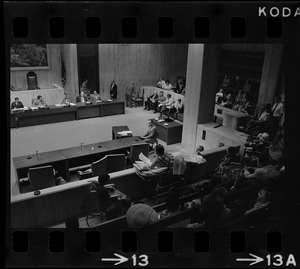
17	99
264	137
231	151
66	95
179	100
168	96
85	81
172	199
268	106
82	93
221	192
113	82
94	92
221	90
199	149
139	215
277	99
72	223
40	97
160	150
103	179
167	82
150	124
212	208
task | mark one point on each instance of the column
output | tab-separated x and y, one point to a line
201	87
270	73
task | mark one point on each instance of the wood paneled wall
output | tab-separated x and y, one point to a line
141	63
45	77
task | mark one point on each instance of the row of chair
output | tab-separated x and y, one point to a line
44	177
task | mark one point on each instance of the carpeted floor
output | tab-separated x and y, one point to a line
28	140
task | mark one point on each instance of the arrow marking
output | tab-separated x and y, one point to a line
256	259
118	260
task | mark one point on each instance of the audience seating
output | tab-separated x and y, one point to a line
41	177
136	149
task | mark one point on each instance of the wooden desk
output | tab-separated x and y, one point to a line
112	108
65	159
116	129
171	134
233	119
53	114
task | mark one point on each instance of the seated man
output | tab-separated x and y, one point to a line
167	104
39	102
162	158
219	96
168	86
102	191
16	104
150	101
158	103
161	83
95	96
177	108
152	134
82	98
66	99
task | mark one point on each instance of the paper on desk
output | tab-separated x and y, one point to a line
109	100
166	124
143	158
124	133
161	120
72	104
58	105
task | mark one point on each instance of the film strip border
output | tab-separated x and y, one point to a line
182	247
168	22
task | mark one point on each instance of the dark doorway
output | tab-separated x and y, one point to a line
88	65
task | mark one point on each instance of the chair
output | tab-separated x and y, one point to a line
136	149
115	162
109	164
41	177
137	100
32	81
99	167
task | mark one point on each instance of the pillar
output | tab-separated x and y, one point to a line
201	87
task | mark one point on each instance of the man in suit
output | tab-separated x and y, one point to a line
151	135
113	90
39	102
16	104
82	98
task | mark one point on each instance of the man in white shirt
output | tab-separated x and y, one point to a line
166	105
168	86
277	112
161	83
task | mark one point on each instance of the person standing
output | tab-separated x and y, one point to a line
277	112
130	91
113	90
84	87
161	83
16	104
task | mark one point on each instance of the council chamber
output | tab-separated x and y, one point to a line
143	136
